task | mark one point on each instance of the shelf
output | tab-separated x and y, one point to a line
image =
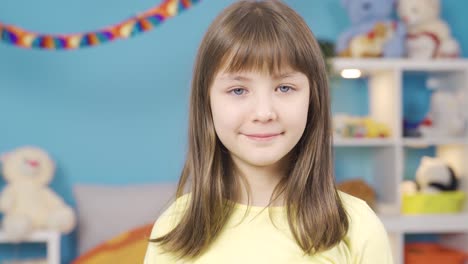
386	81
425	142
372	65
51	238
426	223
38	236
363	142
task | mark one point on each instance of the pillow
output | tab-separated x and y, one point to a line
128	247
105	211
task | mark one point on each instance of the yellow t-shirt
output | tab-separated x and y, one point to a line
257	240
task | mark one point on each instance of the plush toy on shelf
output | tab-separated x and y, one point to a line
373	33
428	35
358	127
360	189
432	176
446	115
434	191
26	201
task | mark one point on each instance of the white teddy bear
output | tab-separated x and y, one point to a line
26	201
446	114
428	35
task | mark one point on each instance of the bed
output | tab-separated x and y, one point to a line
114	222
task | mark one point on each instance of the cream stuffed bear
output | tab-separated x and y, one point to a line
26	201
446	114
428	35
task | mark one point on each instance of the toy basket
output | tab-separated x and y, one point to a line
430	253
440	203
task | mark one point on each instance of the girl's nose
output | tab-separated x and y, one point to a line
267	116
264	111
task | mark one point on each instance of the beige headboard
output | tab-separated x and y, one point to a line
106	210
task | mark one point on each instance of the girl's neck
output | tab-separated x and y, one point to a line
262	182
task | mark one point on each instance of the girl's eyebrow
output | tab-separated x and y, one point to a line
230	77
235	77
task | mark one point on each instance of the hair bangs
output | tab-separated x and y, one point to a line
258	45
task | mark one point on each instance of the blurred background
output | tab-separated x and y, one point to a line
114	116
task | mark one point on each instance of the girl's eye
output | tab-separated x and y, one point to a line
284	88
238	91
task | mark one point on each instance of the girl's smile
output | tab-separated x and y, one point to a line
263	137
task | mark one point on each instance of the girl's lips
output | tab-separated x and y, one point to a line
263	137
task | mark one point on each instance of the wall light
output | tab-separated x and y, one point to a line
351	73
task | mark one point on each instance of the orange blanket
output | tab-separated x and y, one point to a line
129	247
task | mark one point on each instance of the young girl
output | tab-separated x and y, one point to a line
260	138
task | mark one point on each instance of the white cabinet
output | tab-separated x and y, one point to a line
385	93
51	238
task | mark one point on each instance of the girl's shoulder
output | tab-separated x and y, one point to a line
179	205
366	234
352	202
358	211
171	216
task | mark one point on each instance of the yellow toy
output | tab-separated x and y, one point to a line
375	129
359	127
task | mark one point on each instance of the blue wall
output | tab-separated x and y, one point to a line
117	113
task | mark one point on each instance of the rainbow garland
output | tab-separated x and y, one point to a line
141	23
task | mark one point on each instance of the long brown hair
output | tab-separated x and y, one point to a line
265	36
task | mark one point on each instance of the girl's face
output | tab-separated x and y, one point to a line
259	118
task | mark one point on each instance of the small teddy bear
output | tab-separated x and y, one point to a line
428	35
446	114
26	201
373	33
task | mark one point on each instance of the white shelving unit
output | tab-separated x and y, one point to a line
51	238
363	142
385	89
